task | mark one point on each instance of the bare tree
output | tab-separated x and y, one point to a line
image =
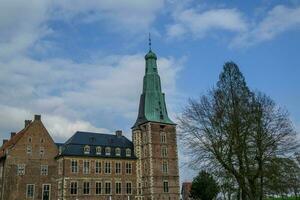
236	129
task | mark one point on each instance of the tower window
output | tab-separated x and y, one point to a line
163	137
165	167
166	186
164	152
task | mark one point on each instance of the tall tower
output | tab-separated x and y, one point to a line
154	138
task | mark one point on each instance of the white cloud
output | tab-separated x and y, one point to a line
131	15
21	24
200	24
278	20
68	94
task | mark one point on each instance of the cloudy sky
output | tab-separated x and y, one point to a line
80	63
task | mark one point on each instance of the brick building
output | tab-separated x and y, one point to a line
186	190
94	165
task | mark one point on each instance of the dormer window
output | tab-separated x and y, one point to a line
98	150
107	151
118	152
86	149
128	152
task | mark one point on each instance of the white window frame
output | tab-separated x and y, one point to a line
107	165
98	150
166	191
33	191
118	168
76	188
42	151
29	150
163	137
44	170
164	151
97	187
44	190
129	182
118	151
107	151
21	169
98	167
116	187
86	168
128	152
74	168
86	149
128	168
89	188
109	188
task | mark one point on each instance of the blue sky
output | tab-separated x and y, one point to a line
80	63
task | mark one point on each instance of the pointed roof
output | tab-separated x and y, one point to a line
152	105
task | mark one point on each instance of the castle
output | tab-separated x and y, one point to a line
94	165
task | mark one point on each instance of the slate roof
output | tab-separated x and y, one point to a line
75	145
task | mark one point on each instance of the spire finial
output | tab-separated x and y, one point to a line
149	41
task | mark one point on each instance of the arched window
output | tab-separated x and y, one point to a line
118	152
86	149
128	152
107	151
98	150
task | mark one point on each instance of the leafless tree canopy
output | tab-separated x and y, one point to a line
238	131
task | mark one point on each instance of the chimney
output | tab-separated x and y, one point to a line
4	141
27	122
119	133
37	117
12	134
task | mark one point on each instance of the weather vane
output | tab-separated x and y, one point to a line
149	41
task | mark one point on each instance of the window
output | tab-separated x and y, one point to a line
86	187
107	168
44	170
42	151
46	192
21	169
163	137
73	187
98	150
128	152
118	168
166	186
98	187
107	187
107	151
118	187
74	166
118	152
29	140
164	152
128	168
165	167
42	140
86	167
98	167
86	149
30	190
128	188
29	150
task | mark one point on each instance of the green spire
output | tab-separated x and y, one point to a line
152	101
